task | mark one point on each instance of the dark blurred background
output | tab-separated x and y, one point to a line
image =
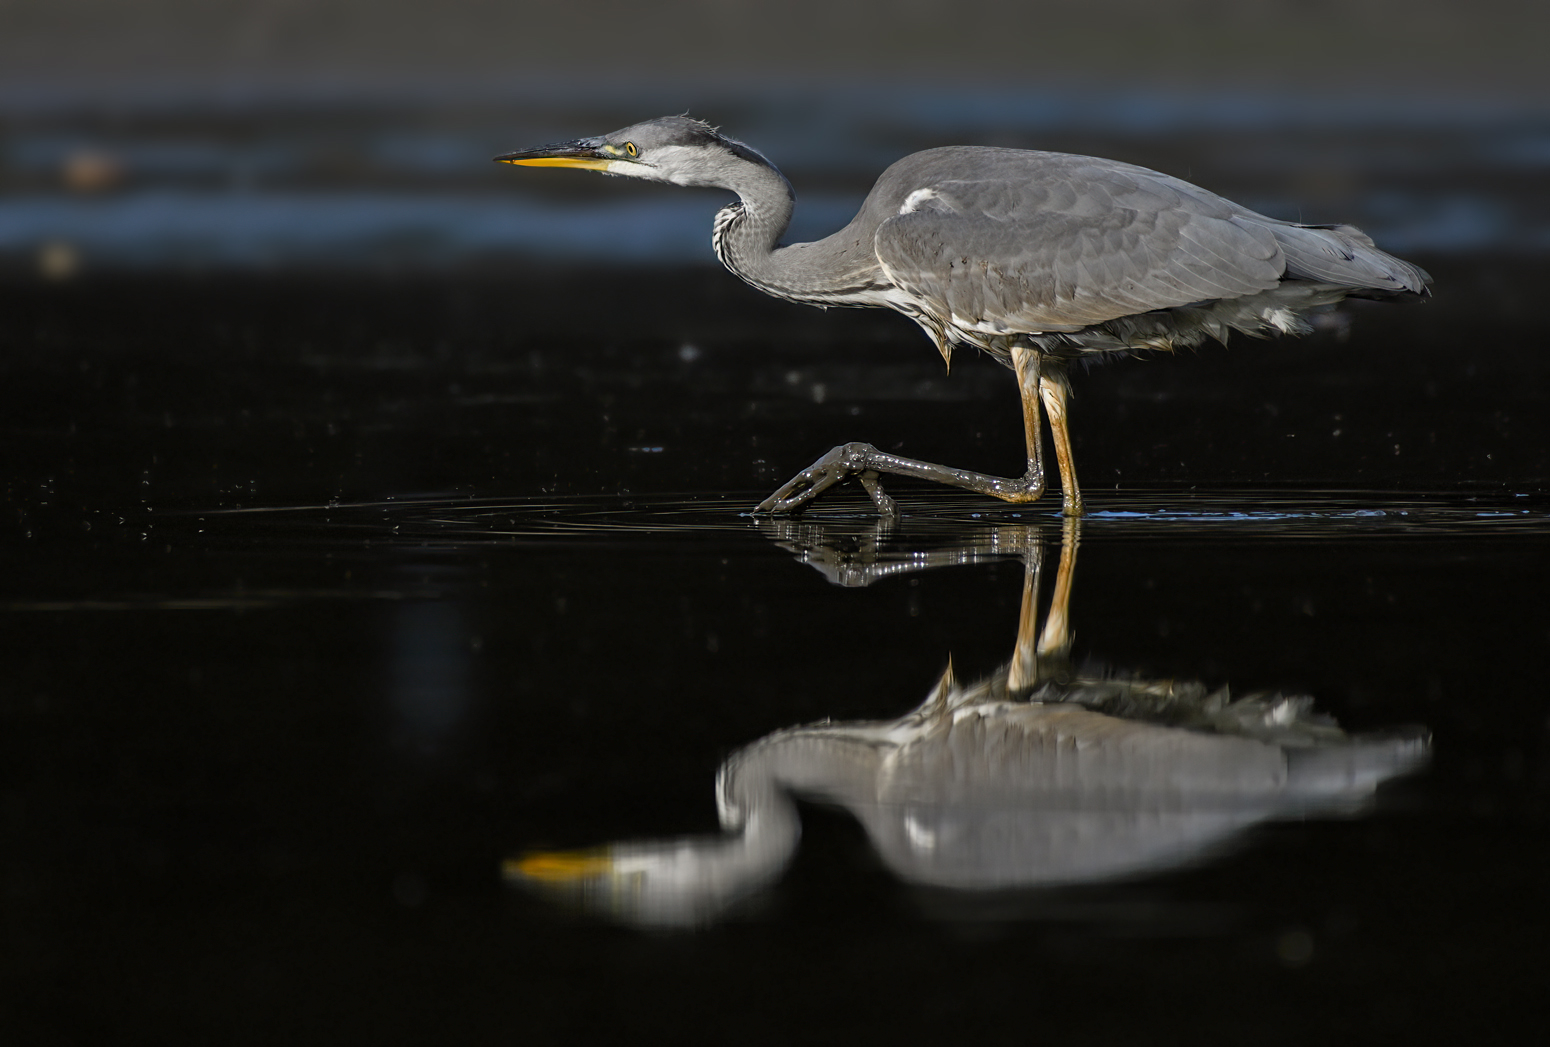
267	134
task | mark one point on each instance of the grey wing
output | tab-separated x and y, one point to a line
1072	248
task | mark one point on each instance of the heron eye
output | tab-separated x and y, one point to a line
629	147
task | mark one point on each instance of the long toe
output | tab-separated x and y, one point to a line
817	478
798	491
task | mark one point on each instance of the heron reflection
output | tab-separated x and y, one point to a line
1039	774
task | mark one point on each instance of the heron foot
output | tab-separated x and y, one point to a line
840	463
866	462
886	506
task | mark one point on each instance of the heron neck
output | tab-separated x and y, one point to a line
747	235
746	232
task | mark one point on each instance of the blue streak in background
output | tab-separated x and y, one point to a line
172	228
223	182
227	229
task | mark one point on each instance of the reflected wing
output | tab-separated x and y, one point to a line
1071	242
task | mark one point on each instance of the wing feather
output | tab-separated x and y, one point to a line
1067	242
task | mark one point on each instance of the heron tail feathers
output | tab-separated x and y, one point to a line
1345	256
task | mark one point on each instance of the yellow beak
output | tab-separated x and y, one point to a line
585	163
587	154
559	866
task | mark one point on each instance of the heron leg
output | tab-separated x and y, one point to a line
1029	366
866	461
1053	387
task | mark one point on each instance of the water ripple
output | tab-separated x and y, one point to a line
1239	514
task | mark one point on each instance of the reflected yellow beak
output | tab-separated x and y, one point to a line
559	866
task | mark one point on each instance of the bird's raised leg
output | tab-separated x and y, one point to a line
1053	387
866	461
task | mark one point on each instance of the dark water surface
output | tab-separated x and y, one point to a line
349	622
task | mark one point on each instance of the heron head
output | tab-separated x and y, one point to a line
682	882
675	149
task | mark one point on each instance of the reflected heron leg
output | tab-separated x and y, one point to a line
866	462
1056	638
1022	672
1025	670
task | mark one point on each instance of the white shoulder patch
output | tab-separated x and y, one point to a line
915	200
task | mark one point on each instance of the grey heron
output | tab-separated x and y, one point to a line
1036	258
1041	773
